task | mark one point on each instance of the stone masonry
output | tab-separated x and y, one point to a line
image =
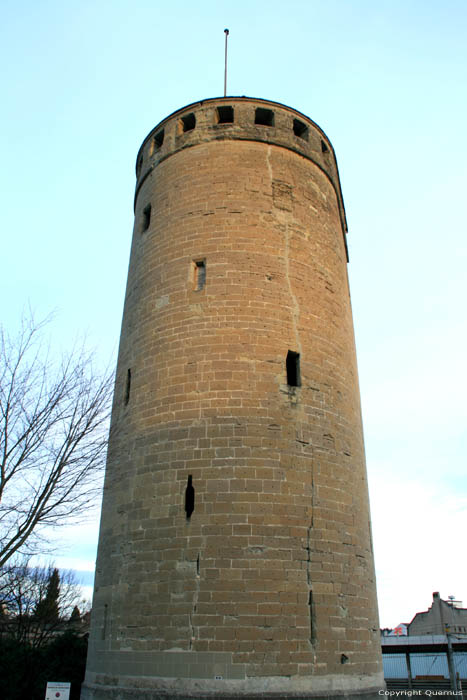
235	555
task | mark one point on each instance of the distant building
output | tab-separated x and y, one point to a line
444	616
400	631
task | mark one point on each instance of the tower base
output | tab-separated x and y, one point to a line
275	688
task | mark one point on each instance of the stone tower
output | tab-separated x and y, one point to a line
235	555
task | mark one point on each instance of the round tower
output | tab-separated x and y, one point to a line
235	555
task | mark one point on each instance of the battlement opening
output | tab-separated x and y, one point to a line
157	141
187	123
146	218
300	129
225	115
264	117
292	365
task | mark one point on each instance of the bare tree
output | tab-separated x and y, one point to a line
53	438
36	603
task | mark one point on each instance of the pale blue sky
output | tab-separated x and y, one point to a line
84	82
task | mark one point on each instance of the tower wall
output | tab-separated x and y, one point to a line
238	261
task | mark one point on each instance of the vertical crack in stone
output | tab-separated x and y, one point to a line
194	631
295	305
312	612
311	605
268	163
283	216
310	591
308	563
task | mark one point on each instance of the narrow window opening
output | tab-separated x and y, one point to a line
300	129
199	274
265	117
158	140
146	217
292	364
197	565
187	123
324	148
189	498
104	626
127	387
225	115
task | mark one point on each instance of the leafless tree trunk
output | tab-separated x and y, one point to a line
53	437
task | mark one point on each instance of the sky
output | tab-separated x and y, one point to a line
82	85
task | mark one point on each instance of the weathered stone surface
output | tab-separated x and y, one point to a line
238	258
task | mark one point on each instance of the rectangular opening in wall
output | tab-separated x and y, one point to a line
146	218
199	274
265	117
292	365
324	148
127	387
187	123
300	129
189	498
225	115
158	140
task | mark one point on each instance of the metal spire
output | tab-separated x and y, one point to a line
226	32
